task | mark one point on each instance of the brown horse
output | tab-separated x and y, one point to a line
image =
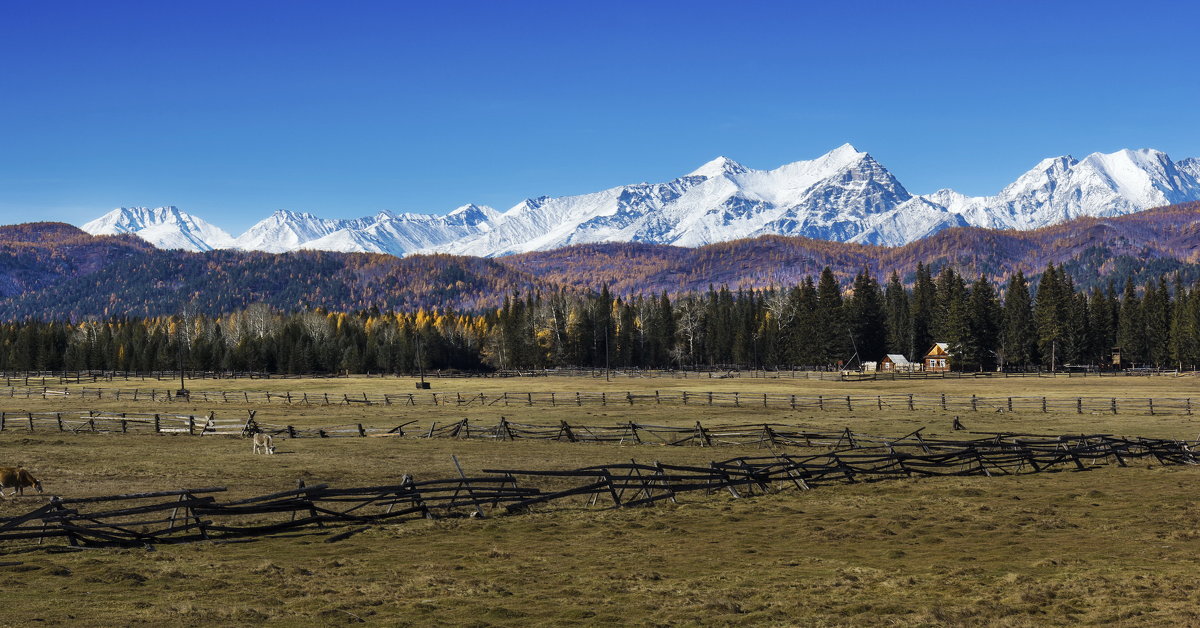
17	479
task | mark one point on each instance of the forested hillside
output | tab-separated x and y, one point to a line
55	271
76	276
817	323
1092	250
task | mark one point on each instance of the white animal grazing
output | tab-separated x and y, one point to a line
264	443
17	479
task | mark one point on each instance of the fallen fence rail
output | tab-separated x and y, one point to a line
195	514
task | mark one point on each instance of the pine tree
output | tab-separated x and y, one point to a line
1131	331
898	316
1049	316
865	318
832	334
983	325
923	305
950	324
1156	316
1019	335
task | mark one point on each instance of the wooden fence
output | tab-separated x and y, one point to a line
851	403
60	378
768	435
195	514
126	422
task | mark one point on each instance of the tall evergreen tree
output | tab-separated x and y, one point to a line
983	327
1019	335
924	304
1131	331
833	335
898	316
865	318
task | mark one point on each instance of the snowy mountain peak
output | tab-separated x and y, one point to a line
843	195
474	213
164	227
718	167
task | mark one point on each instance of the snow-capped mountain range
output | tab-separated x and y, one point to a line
844	195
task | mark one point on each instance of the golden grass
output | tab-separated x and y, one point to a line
1107	546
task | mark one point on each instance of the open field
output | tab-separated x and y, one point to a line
1109	545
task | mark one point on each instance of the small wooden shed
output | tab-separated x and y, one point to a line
937	359
895	363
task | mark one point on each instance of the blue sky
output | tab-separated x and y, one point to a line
231	110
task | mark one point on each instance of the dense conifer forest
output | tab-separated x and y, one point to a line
816	323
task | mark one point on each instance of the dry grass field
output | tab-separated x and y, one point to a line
1106	546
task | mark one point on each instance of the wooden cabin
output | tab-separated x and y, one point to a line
937	359
895	363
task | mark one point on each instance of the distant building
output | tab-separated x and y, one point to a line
937	359
895	363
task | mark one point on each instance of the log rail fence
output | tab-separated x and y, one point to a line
142	519
915	402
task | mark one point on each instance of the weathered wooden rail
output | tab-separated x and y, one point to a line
195	514
915	402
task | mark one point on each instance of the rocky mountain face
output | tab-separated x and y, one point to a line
844	196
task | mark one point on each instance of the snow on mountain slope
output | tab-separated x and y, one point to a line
164	227
1062	188
843	195
827	197
405	233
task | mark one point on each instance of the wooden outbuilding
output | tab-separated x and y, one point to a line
937	359
895	363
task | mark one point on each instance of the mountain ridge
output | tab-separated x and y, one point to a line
844	195
53	270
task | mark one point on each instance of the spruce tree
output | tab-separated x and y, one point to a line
1131	331
983	327
1018	335
924	303
831	332
898	317
865	318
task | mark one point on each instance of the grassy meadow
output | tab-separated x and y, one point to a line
1106	546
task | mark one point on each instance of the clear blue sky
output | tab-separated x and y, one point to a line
231	110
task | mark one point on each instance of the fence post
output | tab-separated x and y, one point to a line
943	401
1010	404
821	401
1044	404
1150	402
685	397
848	405
974	404
1079	405
157	426
710	397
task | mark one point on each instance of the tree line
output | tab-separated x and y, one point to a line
817	323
